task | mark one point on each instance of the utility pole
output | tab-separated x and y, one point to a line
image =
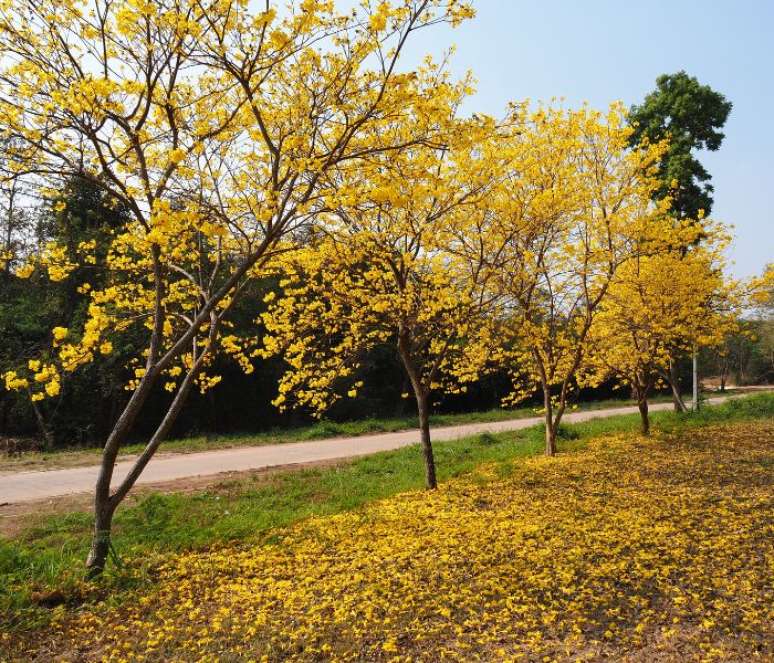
695	380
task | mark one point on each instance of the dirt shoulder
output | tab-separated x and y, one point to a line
19	516
33	461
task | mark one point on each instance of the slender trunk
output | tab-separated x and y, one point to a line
427	447
105	504
679	403
9	230
674	383
551	425
695	381
100	541
423	411
160	434
48	439
642	383
642	404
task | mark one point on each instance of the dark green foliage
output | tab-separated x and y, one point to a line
30	308
692	116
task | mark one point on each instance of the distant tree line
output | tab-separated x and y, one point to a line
85	409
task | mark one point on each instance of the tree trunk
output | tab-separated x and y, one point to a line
551	426
427	447
9	230
103	506
695	385
100	542
423	411
674	383
48	439
105	503
642	404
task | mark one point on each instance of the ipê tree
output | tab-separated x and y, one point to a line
573	209
763	322
380	271
216	126
747	351
659	305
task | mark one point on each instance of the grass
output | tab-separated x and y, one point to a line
48	554
72	457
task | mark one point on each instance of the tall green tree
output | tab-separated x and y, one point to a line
692	116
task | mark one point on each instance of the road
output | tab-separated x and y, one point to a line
30	486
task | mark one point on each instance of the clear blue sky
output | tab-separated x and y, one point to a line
603	50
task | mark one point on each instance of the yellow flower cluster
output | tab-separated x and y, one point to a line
212	171
59	334
5	258
633	549
13	382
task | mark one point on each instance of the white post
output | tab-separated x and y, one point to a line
695	381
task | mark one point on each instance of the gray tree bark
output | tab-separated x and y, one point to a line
423	411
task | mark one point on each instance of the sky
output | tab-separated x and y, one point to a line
599	51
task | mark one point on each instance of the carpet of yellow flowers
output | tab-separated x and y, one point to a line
634	549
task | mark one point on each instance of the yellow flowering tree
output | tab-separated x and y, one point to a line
218	127
660	305
763	300
574	208
380	271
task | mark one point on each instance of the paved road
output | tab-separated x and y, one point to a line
29	486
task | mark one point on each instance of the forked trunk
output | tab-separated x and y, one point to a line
105	504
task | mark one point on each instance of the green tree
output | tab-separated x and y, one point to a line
692	116
29	308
